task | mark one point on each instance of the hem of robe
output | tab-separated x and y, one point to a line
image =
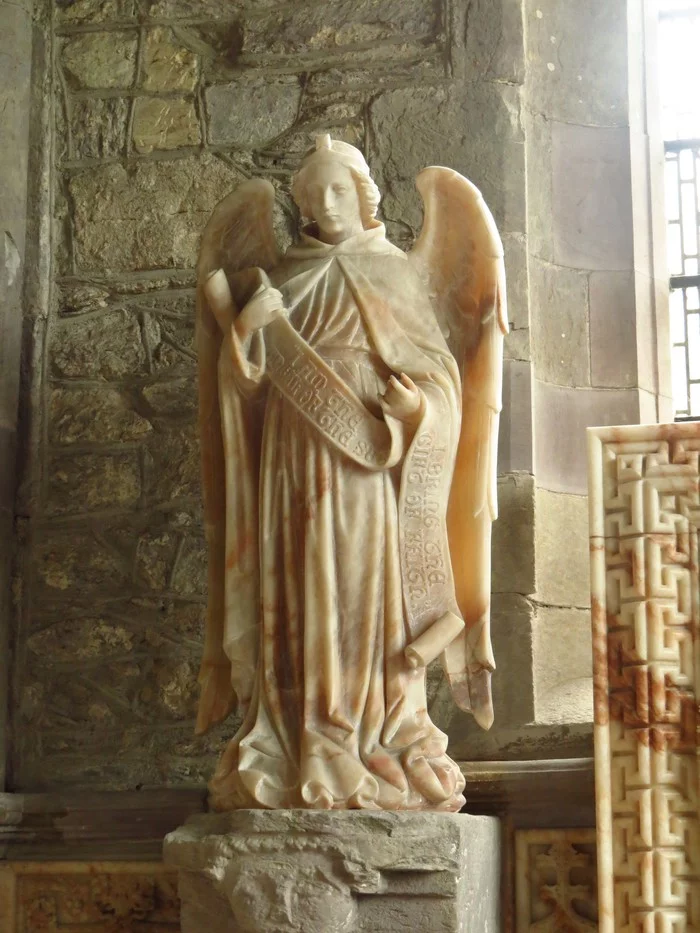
335	778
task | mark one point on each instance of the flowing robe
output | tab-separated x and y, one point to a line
333	563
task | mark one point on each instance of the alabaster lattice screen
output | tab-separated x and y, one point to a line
644	517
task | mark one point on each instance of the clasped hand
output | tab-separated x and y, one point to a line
265	305
402	399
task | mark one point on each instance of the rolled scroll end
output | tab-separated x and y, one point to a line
433	641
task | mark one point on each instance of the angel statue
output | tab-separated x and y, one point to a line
349	405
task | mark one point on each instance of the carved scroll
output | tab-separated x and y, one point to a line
644	518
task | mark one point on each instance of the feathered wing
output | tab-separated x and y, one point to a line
460	255
239	235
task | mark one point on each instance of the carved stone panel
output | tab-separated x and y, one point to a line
87	897
644	517
555	881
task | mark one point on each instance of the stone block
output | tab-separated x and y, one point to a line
90	481
562	415
513	554
190	574
649	335
173	467
561	542
512	622
559	323
644	186
162	123
74	566
538	136
167	64
648	408
474	129
190	9
613	329
517	343
343	83
563	666
577	68
218	44
101	59
98	127
176	398
663	341
591	197
155	557
251	113
102	346
343	26
93	12
515	436
87	639
313	871
120	225
173	350
91	415
495	41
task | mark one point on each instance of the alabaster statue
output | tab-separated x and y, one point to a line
349	404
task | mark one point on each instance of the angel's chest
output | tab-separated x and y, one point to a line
328	317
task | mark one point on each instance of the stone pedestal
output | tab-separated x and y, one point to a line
311	871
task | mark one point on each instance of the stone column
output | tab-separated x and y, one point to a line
315	871
598	296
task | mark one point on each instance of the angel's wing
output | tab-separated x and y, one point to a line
238	235
460	255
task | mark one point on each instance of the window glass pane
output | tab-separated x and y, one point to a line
690	267
677	316
673	246
691	299
672	201
678	378
686	164
689	220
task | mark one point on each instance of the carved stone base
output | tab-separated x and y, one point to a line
315	871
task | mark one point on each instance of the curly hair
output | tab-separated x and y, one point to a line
367	193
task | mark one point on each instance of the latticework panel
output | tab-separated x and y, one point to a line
644	517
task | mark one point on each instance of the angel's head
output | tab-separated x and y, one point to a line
334	189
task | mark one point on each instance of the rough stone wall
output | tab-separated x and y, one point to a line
158	109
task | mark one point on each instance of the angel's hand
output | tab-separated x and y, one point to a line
265	305
402	399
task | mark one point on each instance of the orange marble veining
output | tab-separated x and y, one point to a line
644	518
349	404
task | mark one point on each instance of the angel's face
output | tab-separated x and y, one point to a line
333	201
